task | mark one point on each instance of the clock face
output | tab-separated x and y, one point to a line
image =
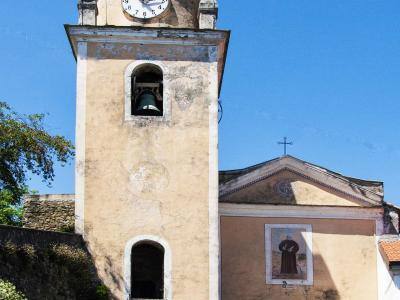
145	9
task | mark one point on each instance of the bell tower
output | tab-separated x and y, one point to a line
149	74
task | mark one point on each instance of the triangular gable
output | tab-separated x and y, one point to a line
271	183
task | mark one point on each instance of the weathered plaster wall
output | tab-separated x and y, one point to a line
182	14
344	256
49	212
150	179
289	188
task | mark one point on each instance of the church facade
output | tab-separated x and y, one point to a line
159	219
294	230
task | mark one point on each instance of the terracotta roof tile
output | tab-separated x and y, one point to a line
391	248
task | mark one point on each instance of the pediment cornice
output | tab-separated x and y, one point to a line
320	176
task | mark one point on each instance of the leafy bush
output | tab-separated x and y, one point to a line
68	228
9	292
10	248
28	250
102	292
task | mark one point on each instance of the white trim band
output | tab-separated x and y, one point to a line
310	212
80	138
213	246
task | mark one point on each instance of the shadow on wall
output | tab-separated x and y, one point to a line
347	274
344	251
48	265
107	271
243	267
323	288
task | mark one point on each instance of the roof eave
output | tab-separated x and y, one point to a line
219	38
326	178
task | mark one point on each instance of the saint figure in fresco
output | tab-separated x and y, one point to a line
289	248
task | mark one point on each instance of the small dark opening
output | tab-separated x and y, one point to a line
147	91
147	271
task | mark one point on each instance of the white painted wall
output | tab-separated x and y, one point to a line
391	285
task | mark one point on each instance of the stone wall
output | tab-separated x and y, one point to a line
48	265
49	212
38	238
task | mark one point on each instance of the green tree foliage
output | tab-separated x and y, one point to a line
10	212
102	292
25	147
9	292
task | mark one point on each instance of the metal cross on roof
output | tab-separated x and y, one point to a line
285	143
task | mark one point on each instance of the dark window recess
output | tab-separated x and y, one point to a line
147	271
147	91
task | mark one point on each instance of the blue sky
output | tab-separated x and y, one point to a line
324	73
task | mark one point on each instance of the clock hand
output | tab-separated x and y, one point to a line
150	2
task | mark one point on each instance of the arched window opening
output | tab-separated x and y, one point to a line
147	271
147	91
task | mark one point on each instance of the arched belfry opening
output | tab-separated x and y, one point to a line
147	271
147	91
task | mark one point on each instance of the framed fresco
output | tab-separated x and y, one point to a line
288	250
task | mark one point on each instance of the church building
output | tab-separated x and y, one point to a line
290	229
158	217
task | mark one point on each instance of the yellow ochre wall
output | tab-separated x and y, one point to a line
344	256
150	179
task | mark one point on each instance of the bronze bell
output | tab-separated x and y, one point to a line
146	104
